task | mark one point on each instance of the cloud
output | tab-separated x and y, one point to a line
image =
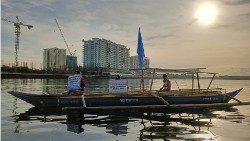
109	27
188	40
191	22
245	15
219	26
235	2
161	23
159	36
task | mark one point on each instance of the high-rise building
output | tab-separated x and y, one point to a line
71	62
102	53
134	63
54	59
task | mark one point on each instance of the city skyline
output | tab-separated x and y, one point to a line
172	34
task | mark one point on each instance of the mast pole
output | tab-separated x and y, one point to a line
151	85
198	80
142	80
192	81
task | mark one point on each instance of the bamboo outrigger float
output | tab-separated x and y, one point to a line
174	99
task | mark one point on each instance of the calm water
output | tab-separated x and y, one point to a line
21	122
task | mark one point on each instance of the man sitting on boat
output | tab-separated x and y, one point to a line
166	84
118	77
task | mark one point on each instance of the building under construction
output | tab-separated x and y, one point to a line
54	59
71	62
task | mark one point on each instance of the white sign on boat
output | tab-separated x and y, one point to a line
118	86
74	82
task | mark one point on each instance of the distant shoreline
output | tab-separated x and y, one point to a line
233	77
65	76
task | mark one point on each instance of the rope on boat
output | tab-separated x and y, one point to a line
83	101
58	102
161	99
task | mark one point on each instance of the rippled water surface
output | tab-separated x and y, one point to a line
20	121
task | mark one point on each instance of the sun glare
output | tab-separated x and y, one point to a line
206	13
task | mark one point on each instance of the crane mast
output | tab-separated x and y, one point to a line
63	37
17	25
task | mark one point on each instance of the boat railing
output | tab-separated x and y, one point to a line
215	89
106	92
210	89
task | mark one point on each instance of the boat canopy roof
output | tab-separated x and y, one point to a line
187	70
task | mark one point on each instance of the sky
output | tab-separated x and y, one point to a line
173	35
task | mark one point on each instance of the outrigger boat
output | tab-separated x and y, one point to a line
140	99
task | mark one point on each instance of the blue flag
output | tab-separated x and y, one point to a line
140	51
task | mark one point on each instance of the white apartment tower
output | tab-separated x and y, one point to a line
102	53
54	59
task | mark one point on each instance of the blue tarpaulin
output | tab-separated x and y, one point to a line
140	51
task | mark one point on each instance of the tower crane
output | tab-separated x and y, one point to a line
60	29
71	61
17	25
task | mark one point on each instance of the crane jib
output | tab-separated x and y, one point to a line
17	33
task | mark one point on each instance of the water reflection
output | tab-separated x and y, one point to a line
74	123
14	112
188	126
135	84
54	86
20	121
97	85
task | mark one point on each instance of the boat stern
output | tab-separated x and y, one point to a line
15	94
234	93
231	95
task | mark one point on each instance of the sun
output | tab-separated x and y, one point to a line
206	13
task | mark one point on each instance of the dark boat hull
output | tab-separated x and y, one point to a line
126	100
